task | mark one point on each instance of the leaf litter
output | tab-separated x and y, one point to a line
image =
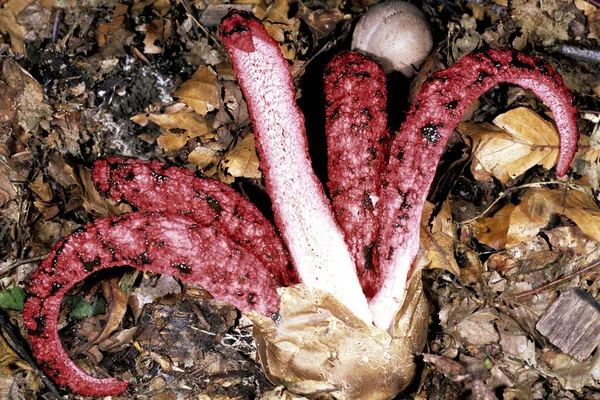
503	237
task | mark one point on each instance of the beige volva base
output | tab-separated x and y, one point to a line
320	349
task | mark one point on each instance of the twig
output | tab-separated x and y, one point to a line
18	263
22	349
57	21
580	53
556	282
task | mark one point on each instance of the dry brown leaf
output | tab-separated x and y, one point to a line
492	230
540	21
107	30
242	161
532	214
204	159
157	31
179	126
523	139
283	29
29	96
9	24
7	190
200	92
438	239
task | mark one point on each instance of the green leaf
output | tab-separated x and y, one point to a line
12	298
81	309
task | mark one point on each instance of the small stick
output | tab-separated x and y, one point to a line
57	19
580	53
18	263
556	282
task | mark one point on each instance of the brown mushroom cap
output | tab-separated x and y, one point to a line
396	34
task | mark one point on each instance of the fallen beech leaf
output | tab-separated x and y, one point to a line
204	159
157	31
522	140
283	29
200	92
493	230
532	214
179	126
438	239
9	24
572	374
107	30
242	161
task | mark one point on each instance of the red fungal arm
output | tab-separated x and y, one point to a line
154	186
164	244
419	143
301	210
357	136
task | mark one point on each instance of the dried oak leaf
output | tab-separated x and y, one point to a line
242	161
438	238
200	92
521	140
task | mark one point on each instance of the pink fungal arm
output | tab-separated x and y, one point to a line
418	145
357	140
302	212
161	243
154	186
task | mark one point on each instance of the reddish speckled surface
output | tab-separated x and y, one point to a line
357	140
420	141
154	186
164	244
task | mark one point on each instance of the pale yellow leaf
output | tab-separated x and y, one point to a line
242	162
438	238
204	158
200	92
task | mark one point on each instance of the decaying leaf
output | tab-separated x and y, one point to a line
29	97
107	30
439	239
513	225
542	22
283	29
8	23
492	230
180	126
521	140
242	161
200	92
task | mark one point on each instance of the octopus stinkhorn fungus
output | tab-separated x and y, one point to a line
351	327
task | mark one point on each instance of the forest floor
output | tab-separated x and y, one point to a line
150	78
